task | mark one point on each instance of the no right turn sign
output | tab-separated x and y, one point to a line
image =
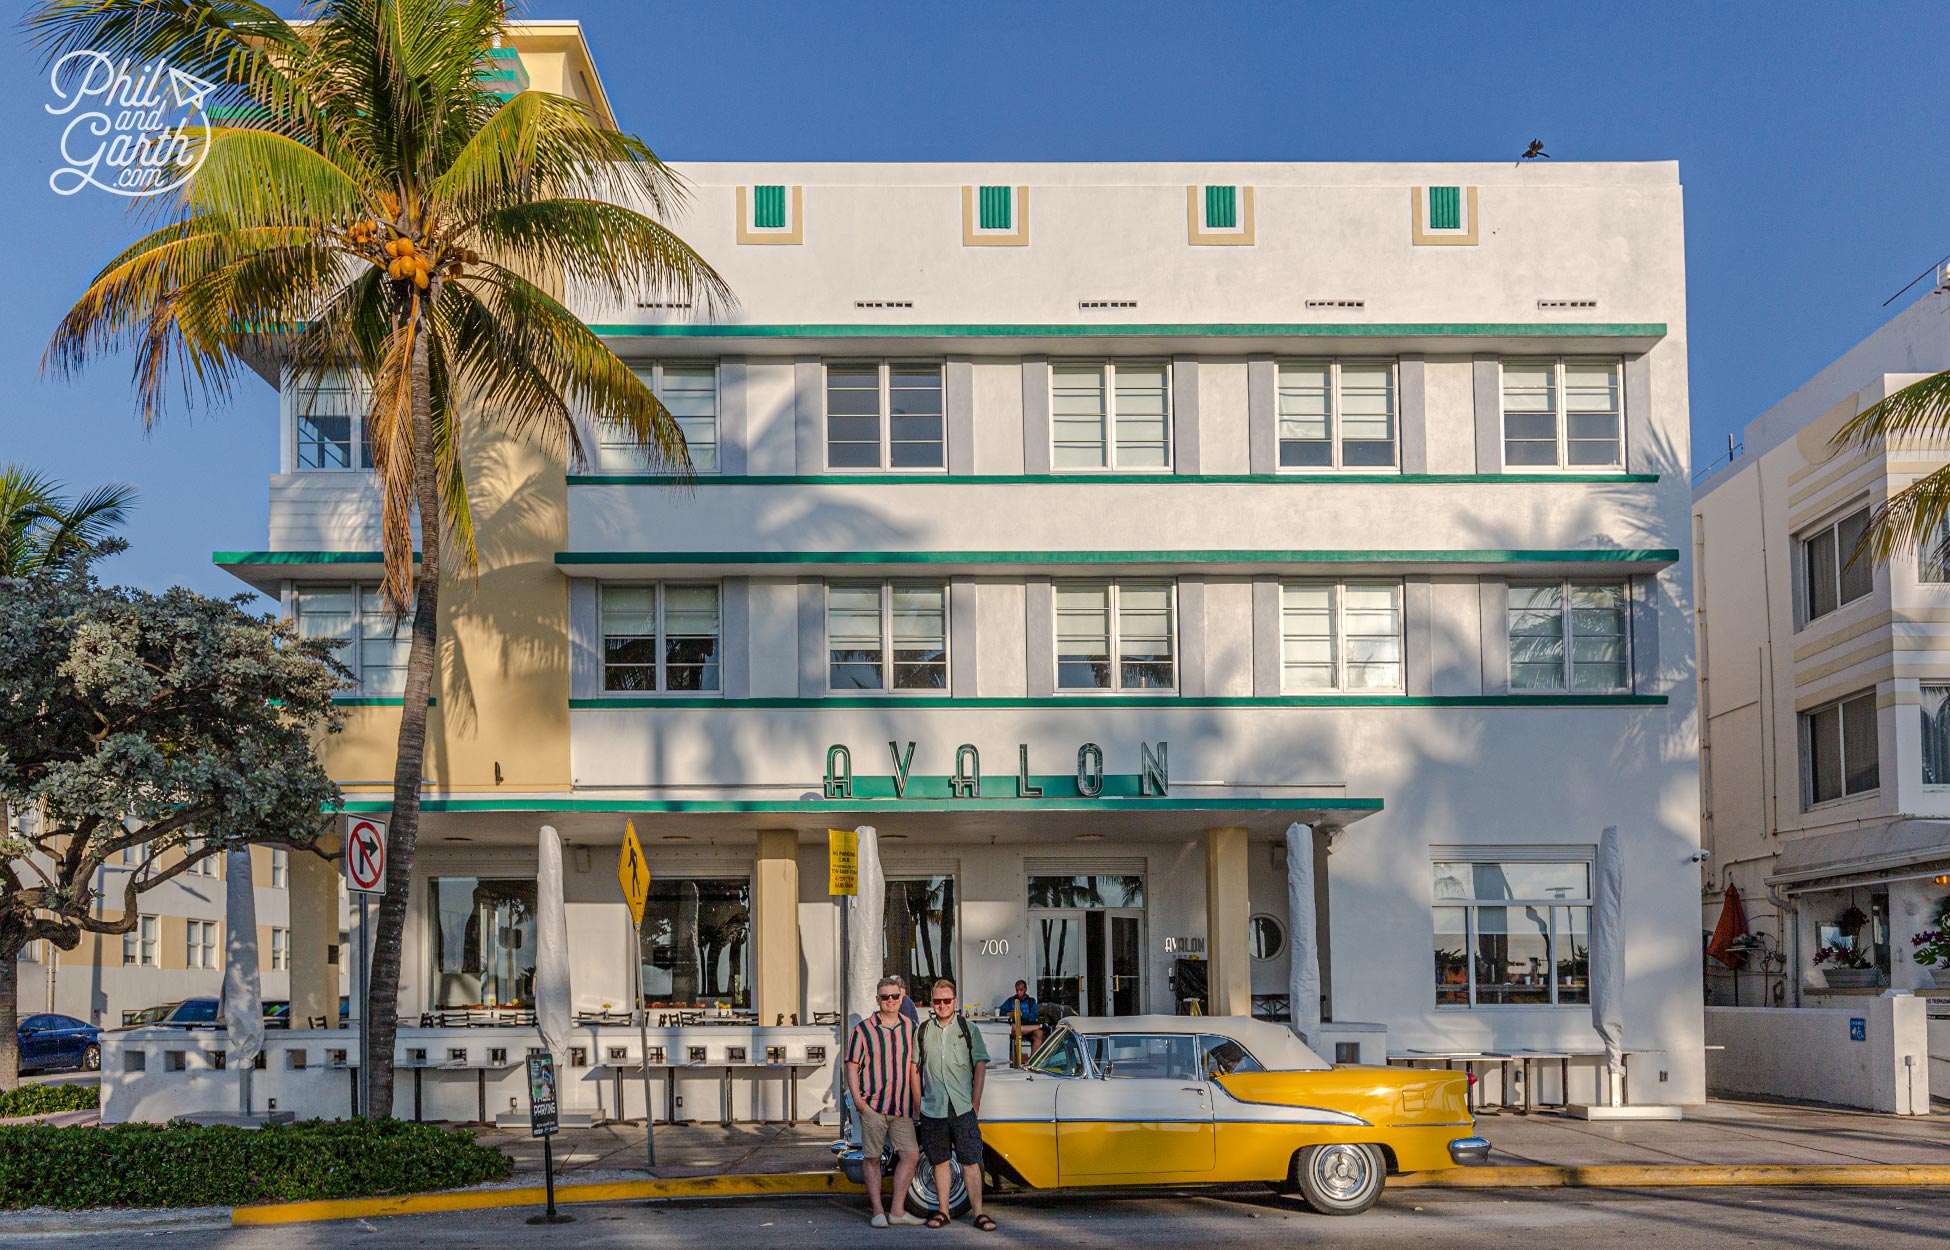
365	855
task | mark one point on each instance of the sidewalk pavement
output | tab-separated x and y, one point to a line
1718	1134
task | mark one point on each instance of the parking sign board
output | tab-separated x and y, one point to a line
365	855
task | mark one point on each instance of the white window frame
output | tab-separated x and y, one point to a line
1469	906
1338	638
280	868
886	366
280	950
1109	367
652	375
205	954
1335	413
352	654
1565	586
205	867
1805	725
1804	587
661	639
1116	687
1562	415
140	945
887	688
299	391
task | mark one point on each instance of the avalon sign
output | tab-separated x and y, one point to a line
1152	779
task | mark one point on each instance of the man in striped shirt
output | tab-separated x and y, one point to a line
886	1086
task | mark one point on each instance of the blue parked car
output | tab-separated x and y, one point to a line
50	1041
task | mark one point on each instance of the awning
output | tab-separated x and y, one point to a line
1902	848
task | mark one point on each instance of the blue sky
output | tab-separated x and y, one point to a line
1810	139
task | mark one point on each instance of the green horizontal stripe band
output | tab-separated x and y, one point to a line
1087	702
1659	555
300	557
679	806
1103	479
375	701
1244	329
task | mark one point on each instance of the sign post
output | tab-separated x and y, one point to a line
633	874
843	883
365	876
544	1122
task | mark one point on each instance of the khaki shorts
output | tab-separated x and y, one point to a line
875	1129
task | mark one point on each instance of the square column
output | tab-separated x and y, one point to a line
775	925
1229	978
314	894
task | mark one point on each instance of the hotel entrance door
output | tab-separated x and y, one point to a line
1091	961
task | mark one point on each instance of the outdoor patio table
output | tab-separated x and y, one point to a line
1563	1058
790	1067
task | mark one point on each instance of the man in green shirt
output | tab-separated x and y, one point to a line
954	1063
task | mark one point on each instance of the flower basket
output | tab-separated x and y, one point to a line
1850	978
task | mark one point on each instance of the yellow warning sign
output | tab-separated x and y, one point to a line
633	871
842	861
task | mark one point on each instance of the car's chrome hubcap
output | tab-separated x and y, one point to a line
1342	1171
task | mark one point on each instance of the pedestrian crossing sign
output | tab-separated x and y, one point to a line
633	872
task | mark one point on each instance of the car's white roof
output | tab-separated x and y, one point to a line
1274	1045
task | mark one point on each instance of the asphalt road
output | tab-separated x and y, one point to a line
1686	1219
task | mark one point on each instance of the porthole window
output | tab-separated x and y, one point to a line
1268	937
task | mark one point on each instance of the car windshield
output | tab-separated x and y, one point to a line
198	1011
1059	1056
149	1015
1223	1057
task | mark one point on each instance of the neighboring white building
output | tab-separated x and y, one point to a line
1824	683
1352	495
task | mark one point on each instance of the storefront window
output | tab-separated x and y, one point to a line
920	931
696	942
483	942
1512	934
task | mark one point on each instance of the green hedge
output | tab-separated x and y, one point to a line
192	1165
41	1099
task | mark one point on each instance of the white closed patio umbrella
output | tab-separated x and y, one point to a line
864	932
1608	959
243	993
1303	938
552	1015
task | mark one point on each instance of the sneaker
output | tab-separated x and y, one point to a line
905	1218
879	1220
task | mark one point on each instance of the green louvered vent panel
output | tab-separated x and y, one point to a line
1222	208
768	208
997	209
1445	208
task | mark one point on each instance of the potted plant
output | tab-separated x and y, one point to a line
1846	967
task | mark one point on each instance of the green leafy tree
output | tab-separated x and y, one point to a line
43	531
372	205
129	723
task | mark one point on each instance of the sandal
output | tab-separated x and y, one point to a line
937	1220
984	1223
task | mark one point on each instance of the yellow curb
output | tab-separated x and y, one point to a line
1675	1176
535	1195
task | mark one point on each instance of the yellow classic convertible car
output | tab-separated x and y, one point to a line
1210	1100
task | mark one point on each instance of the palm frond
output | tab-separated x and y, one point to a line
270	179
604	248
83	526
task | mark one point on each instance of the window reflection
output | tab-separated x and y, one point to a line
919	944
696	942
483	942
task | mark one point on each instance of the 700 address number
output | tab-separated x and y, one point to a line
995	946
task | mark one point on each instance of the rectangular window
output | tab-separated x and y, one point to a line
1831	575
1341	637
139	943
998	206
1841	749
1933	556
690	392
1113	415
205	867
1114	636
1445	208
768	207
1512	934
325	409
280	868
1936	735
483	942
920	929
1570	636
695	942
860	619
1562	414
1337	414
359	614
1222	208
280	950
885	416
660	638
202	946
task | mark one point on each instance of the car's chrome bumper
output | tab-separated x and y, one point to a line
1470	1151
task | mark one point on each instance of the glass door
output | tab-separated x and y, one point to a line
1059	959
1126	964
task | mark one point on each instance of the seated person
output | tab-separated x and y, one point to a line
1032	1028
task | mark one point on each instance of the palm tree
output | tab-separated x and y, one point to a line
43	532
371	206
1914	518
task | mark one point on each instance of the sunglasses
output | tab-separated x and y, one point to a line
944	1002
885	997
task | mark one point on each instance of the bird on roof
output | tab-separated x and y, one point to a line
1535	150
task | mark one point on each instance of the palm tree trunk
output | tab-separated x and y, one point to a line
382	1026
9	1014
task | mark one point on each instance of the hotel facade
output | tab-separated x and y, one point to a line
1079	528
